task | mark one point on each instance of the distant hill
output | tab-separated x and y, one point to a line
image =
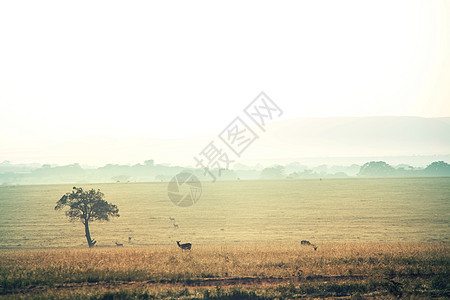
148	172
304	147
354	137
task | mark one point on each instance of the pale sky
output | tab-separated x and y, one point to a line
86	72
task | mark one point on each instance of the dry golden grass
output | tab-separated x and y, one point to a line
246	270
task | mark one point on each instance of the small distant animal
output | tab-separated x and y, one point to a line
118	244
308	243
186	246
175	225
129	239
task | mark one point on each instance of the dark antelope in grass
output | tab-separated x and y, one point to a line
308	243
186	246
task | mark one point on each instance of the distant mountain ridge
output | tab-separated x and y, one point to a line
334	141
357	136
150	172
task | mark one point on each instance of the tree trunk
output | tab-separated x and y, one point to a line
91	243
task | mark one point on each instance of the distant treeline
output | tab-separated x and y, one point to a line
11	174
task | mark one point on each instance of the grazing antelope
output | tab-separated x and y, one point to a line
172	219
118	244
308	243
186	246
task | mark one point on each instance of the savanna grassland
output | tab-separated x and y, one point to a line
381	238
246	271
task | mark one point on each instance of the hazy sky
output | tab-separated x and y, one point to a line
85	72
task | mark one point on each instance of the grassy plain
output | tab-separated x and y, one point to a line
369	210
381	238
245	271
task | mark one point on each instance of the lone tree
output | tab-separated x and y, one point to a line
87	206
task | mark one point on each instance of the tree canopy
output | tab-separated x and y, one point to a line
377	168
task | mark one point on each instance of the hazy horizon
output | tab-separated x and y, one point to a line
159	81
311	141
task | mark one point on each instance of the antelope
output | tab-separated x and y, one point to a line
175	225
118	244
186	246
308	243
